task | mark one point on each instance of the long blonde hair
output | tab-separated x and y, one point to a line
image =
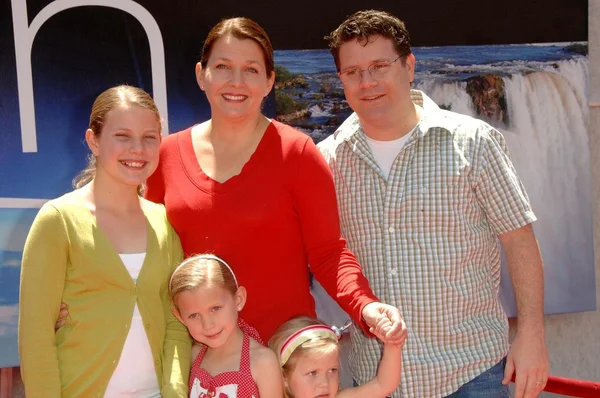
108	100
316	346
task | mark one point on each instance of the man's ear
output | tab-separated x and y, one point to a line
240	298
410	65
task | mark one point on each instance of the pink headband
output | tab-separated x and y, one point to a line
302	336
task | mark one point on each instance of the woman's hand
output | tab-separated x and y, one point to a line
62	316
386	323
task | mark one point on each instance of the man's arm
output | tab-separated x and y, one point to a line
502	195
527	356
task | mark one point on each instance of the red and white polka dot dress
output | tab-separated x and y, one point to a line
235	384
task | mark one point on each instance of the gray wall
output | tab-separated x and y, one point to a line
574	339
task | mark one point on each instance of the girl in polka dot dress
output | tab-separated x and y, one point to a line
231	360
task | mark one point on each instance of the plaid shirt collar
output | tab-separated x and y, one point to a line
351	131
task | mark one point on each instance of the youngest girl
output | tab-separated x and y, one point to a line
309	355
231	362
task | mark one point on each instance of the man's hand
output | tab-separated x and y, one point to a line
529	359
386	323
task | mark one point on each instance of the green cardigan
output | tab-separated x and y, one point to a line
67	258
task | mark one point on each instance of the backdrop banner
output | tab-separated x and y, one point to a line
532	84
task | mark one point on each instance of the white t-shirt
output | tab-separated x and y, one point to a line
135	375
385	152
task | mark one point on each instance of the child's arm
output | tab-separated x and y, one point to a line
387	379
266	372
388	373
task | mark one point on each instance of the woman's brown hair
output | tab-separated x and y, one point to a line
242	29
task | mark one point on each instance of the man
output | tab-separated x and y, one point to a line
425	195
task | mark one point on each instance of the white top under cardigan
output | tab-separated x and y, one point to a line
134	375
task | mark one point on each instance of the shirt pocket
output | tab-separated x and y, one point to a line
439	200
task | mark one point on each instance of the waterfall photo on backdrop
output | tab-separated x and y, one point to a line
535	94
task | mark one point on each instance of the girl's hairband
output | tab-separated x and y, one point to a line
203	257
305	334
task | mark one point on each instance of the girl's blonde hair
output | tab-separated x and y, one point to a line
201	270
316	346
108	100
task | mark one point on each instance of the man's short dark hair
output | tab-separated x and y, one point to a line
363	26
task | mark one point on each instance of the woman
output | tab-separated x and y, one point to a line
109	254
257	193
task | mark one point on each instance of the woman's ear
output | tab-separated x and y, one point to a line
240	298
176	313
286	386
200	76
92	141
271	81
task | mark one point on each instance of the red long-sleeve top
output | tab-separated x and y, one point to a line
268	223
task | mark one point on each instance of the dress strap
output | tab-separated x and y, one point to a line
249	330
242	377
246	383
245	358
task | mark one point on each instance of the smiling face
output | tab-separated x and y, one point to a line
127	147
314	375
235	78
376	98
210	313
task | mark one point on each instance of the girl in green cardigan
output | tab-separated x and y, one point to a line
108	253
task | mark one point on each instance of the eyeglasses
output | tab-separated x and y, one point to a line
376	70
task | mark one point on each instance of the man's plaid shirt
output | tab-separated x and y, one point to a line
427	241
